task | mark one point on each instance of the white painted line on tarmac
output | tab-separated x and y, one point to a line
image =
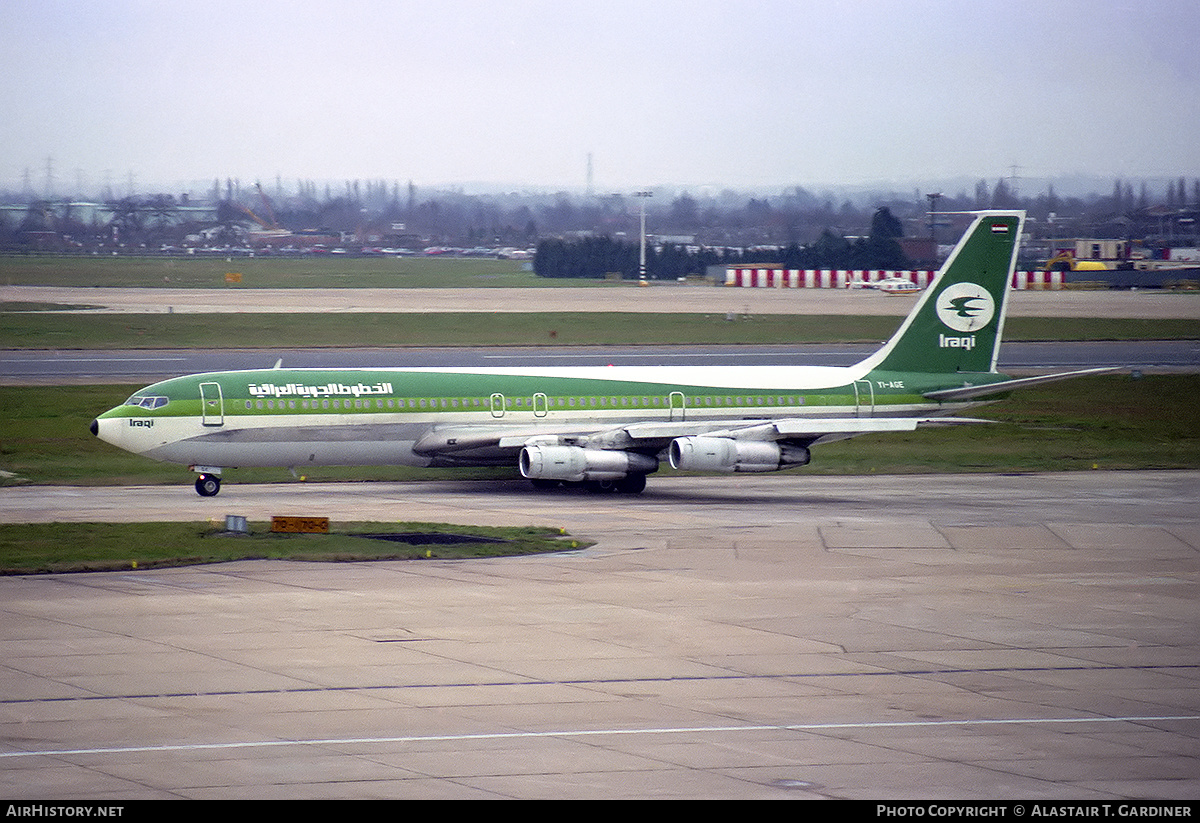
436	738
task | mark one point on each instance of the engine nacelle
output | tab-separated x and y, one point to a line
574	463
724	454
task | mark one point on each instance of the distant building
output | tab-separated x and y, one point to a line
1093	249
920	251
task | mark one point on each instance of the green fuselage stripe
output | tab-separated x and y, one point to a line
376	391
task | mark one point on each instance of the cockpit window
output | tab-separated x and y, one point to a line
150	402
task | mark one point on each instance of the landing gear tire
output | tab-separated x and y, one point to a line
207	485
631	484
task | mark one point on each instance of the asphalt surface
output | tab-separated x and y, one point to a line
147	365
942	637
664	297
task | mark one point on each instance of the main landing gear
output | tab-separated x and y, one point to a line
207	485
630	484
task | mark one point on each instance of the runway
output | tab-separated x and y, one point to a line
786	636
62	367
660	297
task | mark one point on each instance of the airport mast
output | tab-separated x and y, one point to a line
642	195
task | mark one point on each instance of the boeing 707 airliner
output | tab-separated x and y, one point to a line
607	427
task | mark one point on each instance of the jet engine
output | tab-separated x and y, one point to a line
574	463
724	454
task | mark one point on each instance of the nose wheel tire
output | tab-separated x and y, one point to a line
208	485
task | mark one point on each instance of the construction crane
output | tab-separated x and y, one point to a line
270	230
266	201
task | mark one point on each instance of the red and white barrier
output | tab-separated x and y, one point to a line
1044	280
764	278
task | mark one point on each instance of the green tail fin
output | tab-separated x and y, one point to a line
957	323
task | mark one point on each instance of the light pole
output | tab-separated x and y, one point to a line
642	195
933	198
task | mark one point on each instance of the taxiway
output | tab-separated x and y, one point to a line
661	297
791	636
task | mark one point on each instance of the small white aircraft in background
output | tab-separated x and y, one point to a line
897	285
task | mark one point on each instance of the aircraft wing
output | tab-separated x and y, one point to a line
812	429
653	435
966	392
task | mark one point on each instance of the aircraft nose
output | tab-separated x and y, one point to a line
95	428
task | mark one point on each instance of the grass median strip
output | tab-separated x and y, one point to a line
208	271
40	548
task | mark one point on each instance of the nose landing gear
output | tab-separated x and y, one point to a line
207	485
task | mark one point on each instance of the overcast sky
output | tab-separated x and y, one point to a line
770	93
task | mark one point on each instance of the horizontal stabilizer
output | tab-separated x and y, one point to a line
971	392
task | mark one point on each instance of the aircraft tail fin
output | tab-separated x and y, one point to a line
957	323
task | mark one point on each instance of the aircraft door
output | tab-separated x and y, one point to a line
541	405
864	398
497	405
212	405
678	405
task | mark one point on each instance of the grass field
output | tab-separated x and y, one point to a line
328	271
1108	422
34	548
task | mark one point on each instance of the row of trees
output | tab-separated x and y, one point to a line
794	216
598	257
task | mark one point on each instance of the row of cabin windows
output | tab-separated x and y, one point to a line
390	403
522	402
